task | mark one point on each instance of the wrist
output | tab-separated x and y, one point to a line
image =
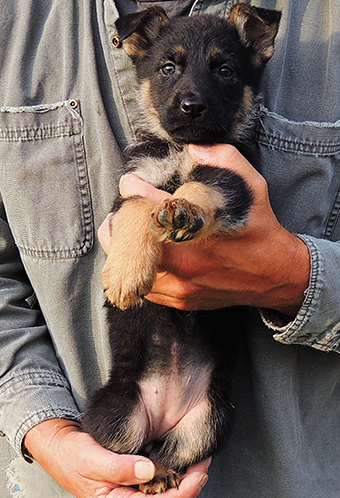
294	275
47	435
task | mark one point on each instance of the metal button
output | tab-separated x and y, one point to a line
73	103
116	41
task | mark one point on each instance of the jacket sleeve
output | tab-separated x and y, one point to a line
32	385
317	323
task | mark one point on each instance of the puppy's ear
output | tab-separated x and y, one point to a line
257	29
136	32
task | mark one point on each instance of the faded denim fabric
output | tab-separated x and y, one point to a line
67	110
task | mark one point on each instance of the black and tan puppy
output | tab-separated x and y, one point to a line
168	396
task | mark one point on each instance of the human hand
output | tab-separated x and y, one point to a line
87	470
262	265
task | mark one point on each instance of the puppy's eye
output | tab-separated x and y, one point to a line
226	71
168	69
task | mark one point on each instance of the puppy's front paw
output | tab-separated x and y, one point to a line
125	287
160	483
178	219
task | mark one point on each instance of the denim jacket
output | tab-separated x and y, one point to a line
67	110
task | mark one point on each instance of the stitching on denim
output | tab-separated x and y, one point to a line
35	134
35	377
293	145
333	217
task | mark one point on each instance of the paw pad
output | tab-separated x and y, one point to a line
178	219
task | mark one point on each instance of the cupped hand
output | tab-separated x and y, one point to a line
77	462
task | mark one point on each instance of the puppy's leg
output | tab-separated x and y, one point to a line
134	254
190	214
116	418
191	441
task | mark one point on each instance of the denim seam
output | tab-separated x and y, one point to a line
333	216
34	134
298	146
53	379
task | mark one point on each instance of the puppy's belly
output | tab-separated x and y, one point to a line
174	399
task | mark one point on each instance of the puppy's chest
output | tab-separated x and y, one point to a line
168	171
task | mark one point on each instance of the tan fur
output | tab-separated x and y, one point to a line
151	117
180	51
164	479
245	117
130	268
136	45
216	54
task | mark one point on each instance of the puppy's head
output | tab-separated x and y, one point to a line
199	75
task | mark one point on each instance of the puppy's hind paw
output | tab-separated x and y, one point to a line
161	483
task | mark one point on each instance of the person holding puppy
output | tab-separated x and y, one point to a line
66	113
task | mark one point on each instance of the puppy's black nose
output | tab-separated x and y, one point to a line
193	106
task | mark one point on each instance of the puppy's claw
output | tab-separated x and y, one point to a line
161	483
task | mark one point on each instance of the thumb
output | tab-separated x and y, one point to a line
130	185
123	470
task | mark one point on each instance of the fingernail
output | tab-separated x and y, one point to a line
203	481
144	471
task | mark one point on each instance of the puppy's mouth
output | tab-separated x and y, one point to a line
190	133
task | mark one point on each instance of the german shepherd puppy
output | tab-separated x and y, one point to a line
168	395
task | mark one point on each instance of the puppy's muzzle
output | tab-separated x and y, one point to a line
193	107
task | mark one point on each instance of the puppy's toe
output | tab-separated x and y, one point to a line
178	219
161	483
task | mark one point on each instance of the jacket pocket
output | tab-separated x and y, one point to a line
44	180
301	163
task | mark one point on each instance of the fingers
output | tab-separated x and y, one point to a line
131	185
104	233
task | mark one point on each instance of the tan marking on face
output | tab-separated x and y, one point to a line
216	53
150	114
244	119
180	51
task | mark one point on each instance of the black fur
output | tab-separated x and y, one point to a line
201	77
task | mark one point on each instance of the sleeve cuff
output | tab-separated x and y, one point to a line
31	398
309	327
